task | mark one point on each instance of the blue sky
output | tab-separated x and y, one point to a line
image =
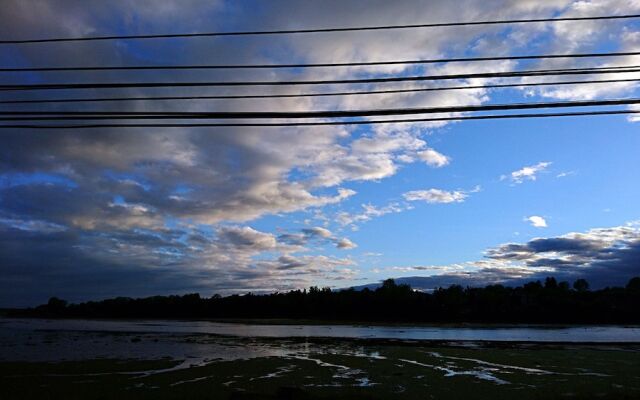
108	212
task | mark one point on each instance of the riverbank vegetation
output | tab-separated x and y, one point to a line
535	302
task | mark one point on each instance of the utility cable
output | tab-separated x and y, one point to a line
292	95
508	74
313	65
318	30
95	115
323	123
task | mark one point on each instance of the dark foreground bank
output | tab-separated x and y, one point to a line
153	359
334	369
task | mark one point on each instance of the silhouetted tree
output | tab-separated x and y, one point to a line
54	307
56	304
634	285
533	302
581	285
550	283
388	284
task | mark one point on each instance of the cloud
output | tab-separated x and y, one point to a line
327	266
155	211
634	117
345	243
369	212
586	35
387	142
603	256
436	196
526	173
236	175
246	237
537	221
32	225
318	231
319	234
178	260
564	174
433	158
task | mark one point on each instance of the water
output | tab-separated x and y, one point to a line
198	342
516	333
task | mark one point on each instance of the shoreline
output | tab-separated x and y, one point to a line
463	335
332	322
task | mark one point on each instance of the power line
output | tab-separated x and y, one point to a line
96	115
323	123
313	65
547	72
269	96
317	30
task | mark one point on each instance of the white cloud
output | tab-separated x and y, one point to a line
318	231
537	221
246	237
526	173
433	158
346	244
436	196
586	35
564	174
385	143
369	212
634	117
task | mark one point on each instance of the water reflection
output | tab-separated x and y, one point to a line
616	334
201	341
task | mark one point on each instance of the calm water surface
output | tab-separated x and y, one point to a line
199	342
603	334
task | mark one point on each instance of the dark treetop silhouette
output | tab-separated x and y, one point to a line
534	302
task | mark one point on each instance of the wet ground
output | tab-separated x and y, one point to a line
54	363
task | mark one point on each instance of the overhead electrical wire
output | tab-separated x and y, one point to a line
322	123
317	30
314	65
507	74
96	115
322	94
84	115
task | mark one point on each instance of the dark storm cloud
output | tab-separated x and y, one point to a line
612	249
80	264
605	257
34	266
564	245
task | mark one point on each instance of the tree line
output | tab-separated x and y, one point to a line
535	302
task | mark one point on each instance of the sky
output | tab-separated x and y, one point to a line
92	214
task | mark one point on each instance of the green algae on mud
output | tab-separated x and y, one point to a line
344	369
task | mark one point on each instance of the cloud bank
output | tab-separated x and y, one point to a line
99	213
603	256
